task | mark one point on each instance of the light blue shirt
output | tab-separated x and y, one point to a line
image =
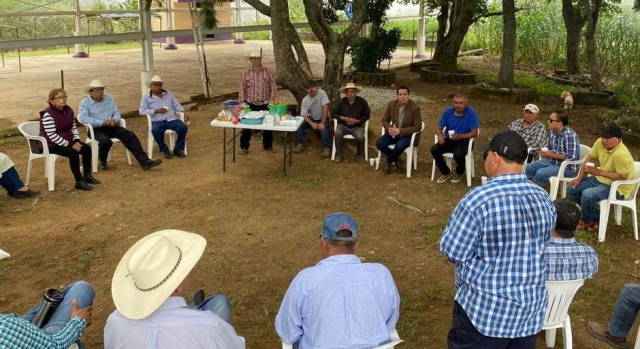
95	113
150	102
172	326
567	259
339	303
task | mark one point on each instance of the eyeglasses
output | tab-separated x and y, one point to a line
97	89
551	120
156	84
61	97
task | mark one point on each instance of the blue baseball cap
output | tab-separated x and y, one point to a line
335	222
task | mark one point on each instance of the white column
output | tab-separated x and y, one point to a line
171	42
80	52
148	69
421	37
238	22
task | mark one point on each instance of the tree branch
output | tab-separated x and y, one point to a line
260	6
493	14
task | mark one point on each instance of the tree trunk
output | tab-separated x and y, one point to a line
443	19
593	12
574	21
460	19
505	78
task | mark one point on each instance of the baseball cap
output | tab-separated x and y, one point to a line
335	222
611	131
532	107
309	83
509	145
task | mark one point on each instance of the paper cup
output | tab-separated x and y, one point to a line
451	133
372	161
544	149
590	164
483	180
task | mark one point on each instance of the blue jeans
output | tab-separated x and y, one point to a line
588	193
543	169
627	308
10	180
401	143
349	10
218	304
326	143
158	128
81	291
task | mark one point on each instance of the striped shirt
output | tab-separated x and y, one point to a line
566	143
95	113
567	259
257	86
496	237
18	333
50	129
534	135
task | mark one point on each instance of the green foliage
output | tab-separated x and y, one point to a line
261	35
409	29
366	55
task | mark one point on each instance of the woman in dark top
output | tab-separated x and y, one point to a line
58	127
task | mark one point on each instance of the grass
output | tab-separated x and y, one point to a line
97	47
525	78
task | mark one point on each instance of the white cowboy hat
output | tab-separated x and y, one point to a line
155	78
152	269
255	54
351	85
94	84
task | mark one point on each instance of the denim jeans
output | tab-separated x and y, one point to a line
627	308
218	304
459	150
588	193
81	291
401	143
10	180
543	169
326	143
158	128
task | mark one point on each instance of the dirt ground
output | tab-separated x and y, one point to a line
262	227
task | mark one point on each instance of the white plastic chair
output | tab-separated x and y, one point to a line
395	340
637	346
557	314
556	180
94	145
366	140
629	202
31	131
172	136
468	159
4	254
411	151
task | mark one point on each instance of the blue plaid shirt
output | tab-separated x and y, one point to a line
496	238
566	143
18	333
567	259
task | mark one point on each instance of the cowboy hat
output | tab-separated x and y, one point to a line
255	54
94	84
155	78
152	269
350	85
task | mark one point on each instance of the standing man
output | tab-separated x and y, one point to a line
563	145
615	163
352	112
340	303
257	89
400	120
530	129
102	113
463	121
315	111
496	238
162	106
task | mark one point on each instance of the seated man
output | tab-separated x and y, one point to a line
315	111
624	315
616	163
352	112
162	106
401	119
530	129
146	289
65	326
566	259
10	180
102	113
340	302
461	122
563	145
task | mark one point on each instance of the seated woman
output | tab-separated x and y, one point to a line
57	126
10	180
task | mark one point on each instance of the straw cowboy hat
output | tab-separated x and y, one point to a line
94	84
152	269
350	85
255	54
155	78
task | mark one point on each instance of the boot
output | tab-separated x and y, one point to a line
90	179
82	185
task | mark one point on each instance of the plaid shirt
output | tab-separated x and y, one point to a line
496	238
257	86
566	143
18	333
567	259
534	135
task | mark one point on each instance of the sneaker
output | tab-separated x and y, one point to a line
444	178
387	169
300	148
244	151
595	226
338	158
456	178
584	225
104	166
601	332
326	152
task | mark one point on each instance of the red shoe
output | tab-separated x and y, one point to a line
584	225
594	226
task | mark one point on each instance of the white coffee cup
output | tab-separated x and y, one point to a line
372	161
590	164
451	132
483	179
544	149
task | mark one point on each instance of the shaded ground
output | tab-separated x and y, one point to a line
262	227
